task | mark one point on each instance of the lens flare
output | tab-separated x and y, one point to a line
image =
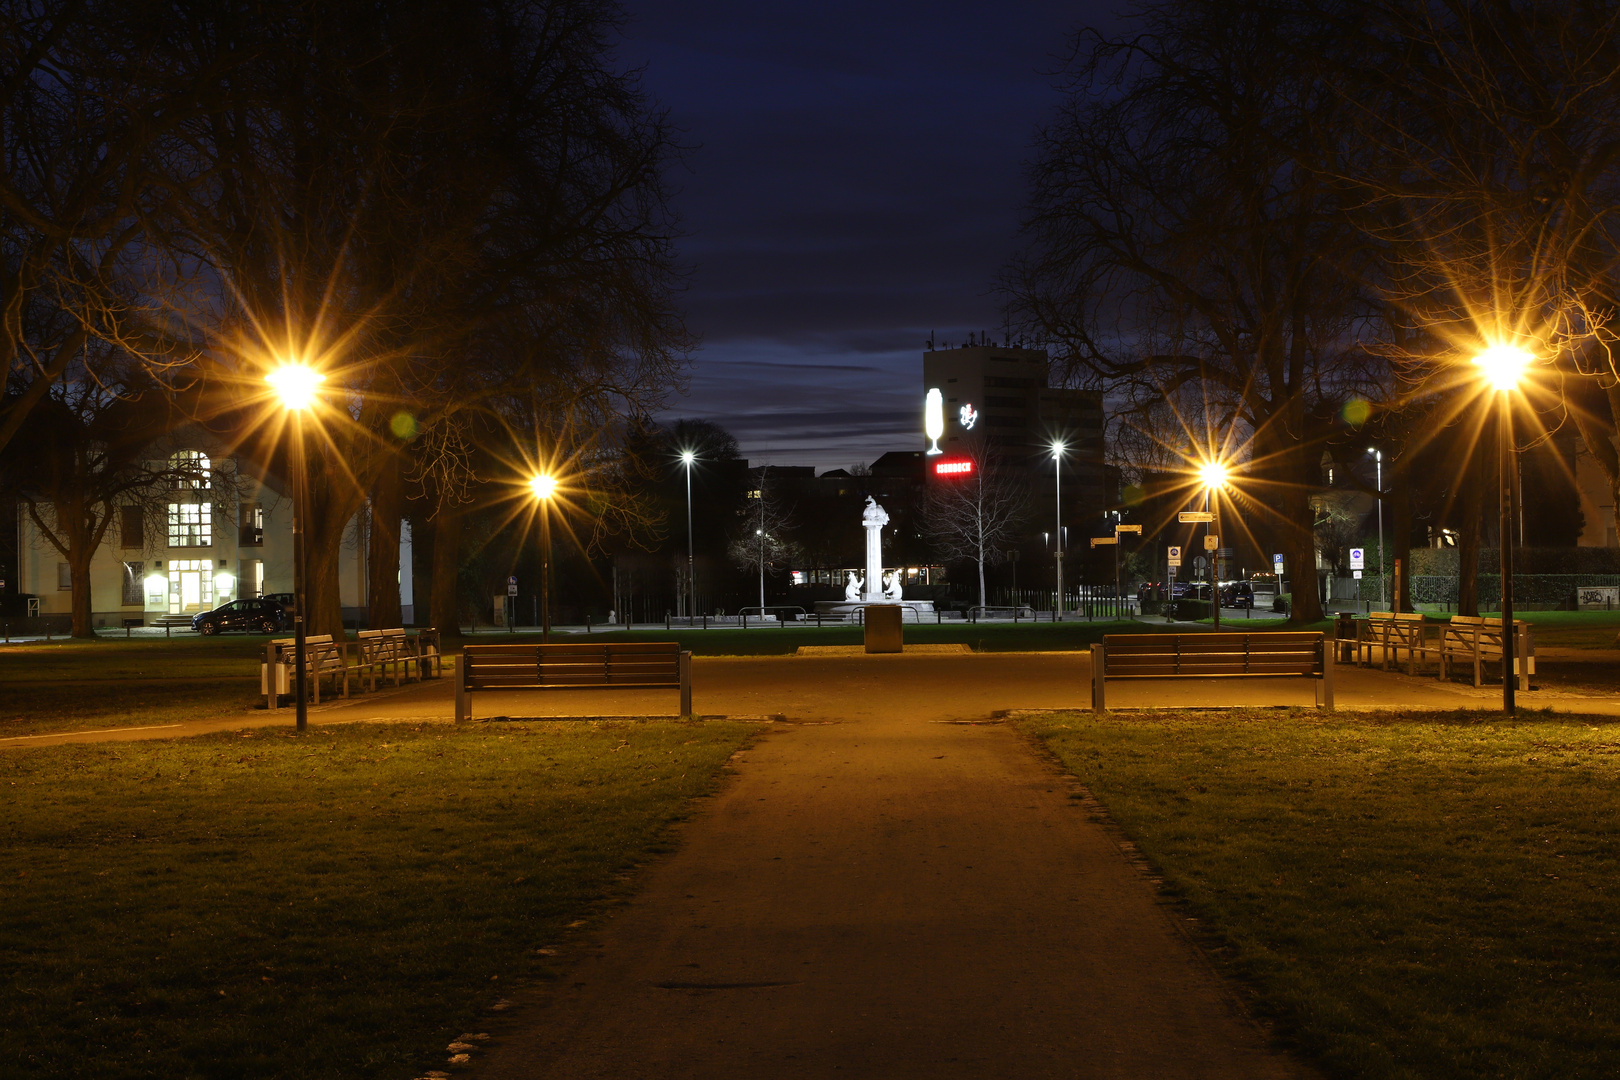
1503	366
295	384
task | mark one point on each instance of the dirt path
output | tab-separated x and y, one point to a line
891	896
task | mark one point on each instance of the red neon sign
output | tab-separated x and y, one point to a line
953	468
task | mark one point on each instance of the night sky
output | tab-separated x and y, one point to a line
855	182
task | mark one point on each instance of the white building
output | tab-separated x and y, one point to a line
224	535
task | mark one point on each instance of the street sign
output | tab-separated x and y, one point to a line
1196	517
1358	559
1356	574
512	580
1211	542
1095	540
1175	556
1128	529
511	588
1277	564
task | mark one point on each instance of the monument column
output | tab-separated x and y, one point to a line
874	518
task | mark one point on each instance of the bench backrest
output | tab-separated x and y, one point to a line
1464	630
624	663
1396	627
1287	652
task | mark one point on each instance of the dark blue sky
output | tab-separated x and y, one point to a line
855	183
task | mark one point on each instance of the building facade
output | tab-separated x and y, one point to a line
221	534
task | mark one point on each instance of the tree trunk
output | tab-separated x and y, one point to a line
323	552
382	550
79	567
1401	545
1469	537
1298	522
446	597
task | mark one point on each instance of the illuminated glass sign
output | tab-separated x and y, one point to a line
968	416
953	468
934	419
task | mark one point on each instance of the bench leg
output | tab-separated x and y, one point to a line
1099	697
686	684
463	704
1324	687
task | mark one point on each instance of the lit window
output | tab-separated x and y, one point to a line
193	471
191	524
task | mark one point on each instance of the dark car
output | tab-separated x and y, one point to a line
1237	594
1190	590
257	616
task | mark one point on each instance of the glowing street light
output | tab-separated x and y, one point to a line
1503	367
544	487
1057	471
1378	478
687	458
1213	475
296	386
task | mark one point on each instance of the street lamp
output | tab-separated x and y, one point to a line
1057	472
687	457
295	384
1503	366
544	487
1212	474
1378	463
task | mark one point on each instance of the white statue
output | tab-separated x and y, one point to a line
892	589
874	516
852	590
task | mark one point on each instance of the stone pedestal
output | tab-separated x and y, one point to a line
883	633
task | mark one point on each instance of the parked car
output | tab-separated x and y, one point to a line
1190	590
260	615
1237	594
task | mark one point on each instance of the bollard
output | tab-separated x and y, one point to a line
587	624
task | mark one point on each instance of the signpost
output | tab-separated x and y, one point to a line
1195	517
1170	597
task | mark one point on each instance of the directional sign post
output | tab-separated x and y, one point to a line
1095	540
1137	529
1195	517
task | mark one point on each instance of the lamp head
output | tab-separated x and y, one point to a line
1503	366
1213	474
1057	448
543	486
687	457
295	384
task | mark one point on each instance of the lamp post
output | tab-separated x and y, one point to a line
1503	366
1213	475
1378	465
687	457
295	385
1057	472
544	487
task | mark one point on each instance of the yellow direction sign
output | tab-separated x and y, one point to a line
1127	529
1095	540
1195	517
1212	542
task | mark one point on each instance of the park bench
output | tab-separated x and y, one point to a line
1280	654
1390	632
322	657
1472	640
636	665
398	655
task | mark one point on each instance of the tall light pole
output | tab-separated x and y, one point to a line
544	487
1213	476
1503	366
295	385
1057	471
761	531
1378	465
687	457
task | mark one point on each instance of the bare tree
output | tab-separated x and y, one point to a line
1180	233
981	516
763	539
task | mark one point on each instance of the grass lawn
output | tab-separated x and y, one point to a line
339	905
1431	896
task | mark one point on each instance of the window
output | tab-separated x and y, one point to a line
191	524
64	577
131	527
193	471
252	526
134	584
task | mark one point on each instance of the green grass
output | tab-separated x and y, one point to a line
1408	897
338	905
